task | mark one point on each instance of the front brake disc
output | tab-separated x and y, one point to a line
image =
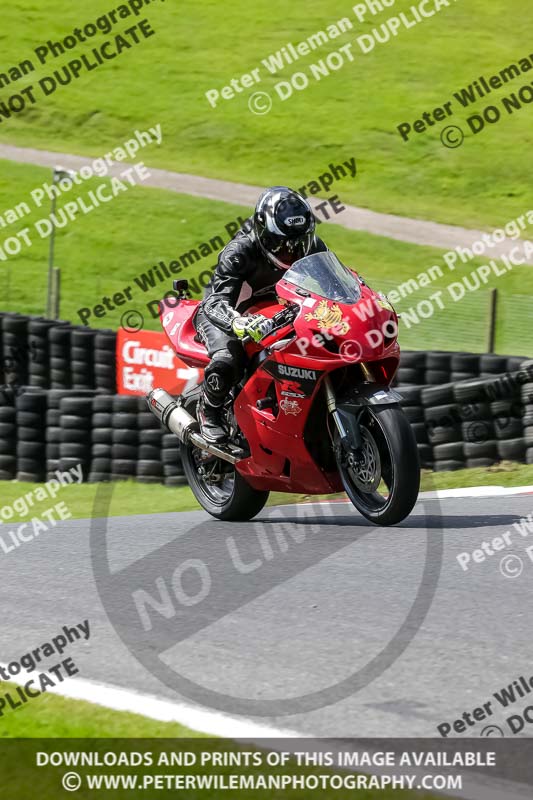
365	470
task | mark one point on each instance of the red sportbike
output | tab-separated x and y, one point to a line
314	412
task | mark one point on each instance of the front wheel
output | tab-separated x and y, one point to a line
383	480
216	484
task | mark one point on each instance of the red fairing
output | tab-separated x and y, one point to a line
328	338
177	322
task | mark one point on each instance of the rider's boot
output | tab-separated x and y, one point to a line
211	422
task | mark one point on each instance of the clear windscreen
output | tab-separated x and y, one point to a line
324	275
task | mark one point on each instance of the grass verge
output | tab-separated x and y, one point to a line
131	498
116	244
49	717
52	716
354	111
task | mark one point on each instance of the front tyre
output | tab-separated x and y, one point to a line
383	483
216	484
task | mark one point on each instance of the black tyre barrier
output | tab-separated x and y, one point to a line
42	431
82	358
425	454
435	367
493	365
39	355
435	377
414	359
450	450
114	437
448	466
457	377
437	395
414	414
474	423
473	463
52	354
76	433
8	442
124	437
465	362
411	395
31	441
407	375
461	407
512	449
59	350
172	466
104	361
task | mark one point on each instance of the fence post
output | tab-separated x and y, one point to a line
56	292
493	313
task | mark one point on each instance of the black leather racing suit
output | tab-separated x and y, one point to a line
243	276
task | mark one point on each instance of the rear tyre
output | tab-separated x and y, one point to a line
216	484
384	484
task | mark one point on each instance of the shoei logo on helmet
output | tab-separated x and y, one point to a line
291	222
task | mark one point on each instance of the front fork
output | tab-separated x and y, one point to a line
347	424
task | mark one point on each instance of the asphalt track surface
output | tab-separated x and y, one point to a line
317	610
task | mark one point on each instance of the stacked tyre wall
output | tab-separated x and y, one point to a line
434	368
56	355
110	437
473	423
58	408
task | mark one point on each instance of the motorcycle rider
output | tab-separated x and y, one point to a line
281	231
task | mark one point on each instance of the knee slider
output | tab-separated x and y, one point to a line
230	359
219	375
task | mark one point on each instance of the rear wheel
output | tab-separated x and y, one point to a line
216	484
383	482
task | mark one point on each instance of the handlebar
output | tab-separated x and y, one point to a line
282	318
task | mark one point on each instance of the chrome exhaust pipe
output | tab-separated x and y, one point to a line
182	424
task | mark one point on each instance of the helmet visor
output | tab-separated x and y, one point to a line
284	250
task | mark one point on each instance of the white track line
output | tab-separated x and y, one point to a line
223	725
194	717
478	787
479	491
474	491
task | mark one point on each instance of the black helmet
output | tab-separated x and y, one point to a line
284	226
